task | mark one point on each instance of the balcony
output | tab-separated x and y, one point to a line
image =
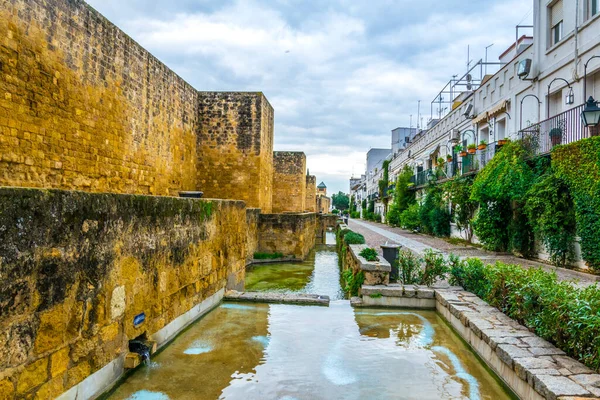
563	128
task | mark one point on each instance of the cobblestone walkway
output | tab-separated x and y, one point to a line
377	234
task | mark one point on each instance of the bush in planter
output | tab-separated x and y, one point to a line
369	254
354	238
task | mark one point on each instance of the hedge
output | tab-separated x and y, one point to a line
557	311
578	164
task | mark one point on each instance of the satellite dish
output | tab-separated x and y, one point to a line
469	78
469	86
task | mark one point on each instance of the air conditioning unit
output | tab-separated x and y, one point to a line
455	135
468	111
524	68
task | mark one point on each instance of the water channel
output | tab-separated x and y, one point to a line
259	351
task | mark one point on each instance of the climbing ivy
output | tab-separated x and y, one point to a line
501	188
578	165
458	192
549	207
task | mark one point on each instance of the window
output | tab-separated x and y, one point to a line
556	22
594	7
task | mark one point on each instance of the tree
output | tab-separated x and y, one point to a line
341	201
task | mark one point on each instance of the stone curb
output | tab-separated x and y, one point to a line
543	366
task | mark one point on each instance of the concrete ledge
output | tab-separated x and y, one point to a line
274	260
283	298
532	367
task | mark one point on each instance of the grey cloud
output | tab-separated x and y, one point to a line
340	74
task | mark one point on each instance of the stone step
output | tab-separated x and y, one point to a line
281	298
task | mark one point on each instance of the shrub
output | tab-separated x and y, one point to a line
408	267
458	192
369	254
559	312
435	268
433	213
354	238
334	211
409	219
267	256
393	216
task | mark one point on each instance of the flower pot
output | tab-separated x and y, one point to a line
448	159
481	147
463	153
501	142
556	139
472	151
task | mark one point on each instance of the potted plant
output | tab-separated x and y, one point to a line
441	161
460	151
449	158
482	145
502	142
472	148
555	136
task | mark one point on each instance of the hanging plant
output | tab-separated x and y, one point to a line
472	148
482	145
449	158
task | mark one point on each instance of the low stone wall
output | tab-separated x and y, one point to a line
252	215
375	272
78	267
289	234
396	295
532	367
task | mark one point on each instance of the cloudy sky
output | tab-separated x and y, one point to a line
341	74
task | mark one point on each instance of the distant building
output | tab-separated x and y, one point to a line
323	202
401	137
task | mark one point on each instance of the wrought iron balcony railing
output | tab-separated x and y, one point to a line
563	128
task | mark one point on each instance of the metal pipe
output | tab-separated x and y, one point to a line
521	109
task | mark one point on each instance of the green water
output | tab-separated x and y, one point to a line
259	351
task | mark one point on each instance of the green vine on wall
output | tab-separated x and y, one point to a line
578	164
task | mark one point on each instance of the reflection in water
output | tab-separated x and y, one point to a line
318	274
259	351
283	351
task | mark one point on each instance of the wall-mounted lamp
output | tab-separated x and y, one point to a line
570	97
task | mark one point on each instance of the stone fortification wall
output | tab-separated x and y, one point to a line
310	205
235	154
289	181
252	216
85	107
77	267
288	234
323	204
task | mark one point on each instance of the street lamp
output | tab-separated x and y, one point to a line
591	113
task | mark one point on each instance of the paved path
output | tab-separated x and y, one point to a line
377	234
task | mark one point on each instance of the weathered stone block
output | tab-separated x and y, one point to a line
77	374
59	362
552	387
289	182
33	375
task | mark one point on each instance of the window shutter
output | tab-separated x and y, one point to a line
556	13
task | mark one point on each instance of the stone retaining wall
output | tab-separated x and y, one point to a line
252	216
532	367
76	268
375	272
288	234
